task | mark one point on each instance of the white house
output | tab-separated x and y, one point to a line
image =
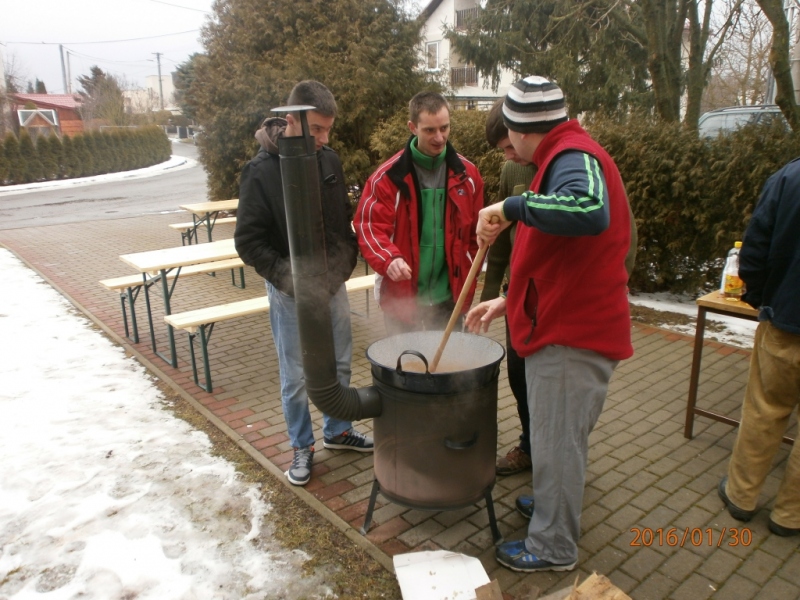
470	90
149	98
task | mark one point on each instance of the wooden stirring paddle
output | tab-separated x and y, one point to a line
476	264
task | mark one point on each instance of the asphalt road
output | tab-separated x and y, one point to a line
112	200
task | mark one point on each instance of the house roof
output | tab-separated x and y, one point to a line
428	10
71	101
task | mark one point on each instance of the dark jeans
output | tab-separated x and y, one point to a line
519	387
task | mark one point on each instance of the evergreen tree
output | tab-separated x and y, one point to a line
184	76
115	151
72	164
83	157
33	166
607	54
57	152
46	157
102	98
88	143
103	163
364	51
14	161
40	87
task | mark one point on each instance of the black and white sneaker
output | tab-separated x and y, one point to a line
350	440
299	472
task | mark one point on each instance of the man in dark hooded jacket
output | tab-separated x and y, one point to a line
262	242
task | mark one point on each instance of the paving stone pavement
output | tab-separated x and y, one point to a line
652	521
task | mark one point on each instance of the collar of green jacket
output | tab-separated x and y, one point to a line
425	161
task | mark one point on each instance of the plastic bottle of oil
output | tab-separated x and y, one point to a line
732	285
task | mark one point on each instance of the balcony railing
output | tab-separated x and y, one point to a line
463	17
463	76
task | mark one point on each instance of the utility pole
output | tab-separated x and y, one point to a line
63	69
160	87
69	75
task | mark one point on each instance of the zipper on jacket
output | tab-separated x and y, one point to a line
531	294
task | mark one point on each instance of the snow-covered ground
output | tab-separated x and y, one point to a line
104	494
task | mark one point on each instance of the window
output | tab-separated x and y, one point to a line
432	54
27	116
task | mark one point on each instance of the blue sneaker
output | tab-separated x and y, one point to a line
525	506
350	440
516	557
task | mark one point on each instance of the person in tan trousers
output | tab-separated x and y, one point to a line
770	268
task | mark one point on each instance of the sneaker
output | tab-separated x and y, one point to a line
525	506
350	440
737	513
299	472
516	557
781	530
515	461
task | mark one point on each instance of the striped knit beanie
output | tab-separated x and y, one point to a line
534	105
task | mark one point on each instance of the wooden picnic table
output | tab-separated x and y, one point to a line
156	266
206	213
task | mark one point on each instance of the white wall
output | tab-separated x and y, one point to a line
432	32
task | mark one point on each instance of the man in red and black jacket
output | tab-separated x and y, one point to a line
416	222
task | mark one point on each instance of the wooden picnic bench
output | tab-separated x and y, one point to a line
207	214
202	320
188	230
129	286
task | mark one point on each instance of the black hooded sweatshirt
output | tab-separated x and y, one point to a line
261	232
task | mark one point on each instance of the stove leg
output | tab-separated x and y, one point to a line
496	536
370	507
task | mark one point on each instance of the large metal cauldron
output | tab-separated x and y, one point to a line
436	438
435	434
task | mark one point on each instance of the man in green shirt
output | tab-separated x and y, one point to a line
416	223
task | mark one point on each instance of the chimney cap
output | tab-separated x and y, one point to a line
294	108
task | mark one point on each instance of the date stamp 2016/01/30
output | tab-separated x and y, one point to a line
691	536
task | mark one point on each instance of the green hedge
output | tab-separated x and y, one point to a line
90	153
692	198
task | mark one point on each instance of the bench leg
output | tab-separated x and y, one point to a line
204	349
241	277
129	297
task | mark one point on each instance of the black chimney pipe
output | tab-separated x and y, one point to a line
299	171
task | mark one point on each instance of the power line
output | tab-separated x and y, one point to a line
179	6
149	37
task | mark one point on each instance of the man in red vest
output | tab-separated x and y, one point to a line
567	308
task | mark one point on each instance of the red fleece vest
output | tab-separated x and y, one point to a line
572	291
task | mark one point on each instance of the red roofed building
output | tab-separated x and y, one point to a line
65	105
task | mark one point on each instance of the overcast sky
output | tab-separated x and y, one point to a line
106	33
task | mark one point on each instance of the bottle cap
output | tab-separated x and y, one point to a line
737	244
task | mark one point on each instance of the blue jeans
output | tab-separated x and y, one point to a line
283	319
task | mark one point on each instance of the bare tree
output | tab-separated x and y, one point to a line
740	73
780	61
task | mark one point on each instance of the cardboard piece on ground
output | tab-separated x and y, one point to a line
490	591
597	587
439	575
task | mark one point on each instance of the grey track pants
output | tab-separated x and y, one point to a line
566	391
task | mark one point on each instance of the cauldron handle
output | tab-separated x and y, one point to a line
419	355
461	445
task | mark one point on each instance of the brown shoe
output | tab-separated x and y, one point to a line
515	461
